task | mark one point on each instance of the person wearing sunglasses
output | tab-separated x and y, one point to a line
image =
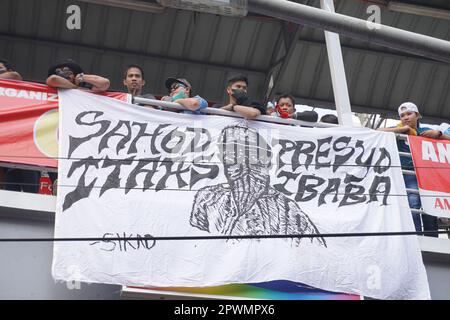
180	91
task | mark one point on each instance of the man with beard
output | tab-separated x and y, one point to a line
247	204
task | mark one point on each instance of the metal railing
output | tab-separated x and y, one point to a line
165	105
221	112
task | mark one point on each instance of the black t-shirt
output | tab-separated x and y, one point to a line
253	104
146	96
262	108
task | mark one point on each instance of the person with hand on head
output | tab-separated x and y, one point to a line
180	91
238	100
67	74
8	72
409	124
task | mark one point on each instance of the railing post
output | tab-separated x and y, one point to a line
337	70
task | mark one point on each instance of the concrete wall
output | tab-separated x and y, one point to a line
25	266
439	279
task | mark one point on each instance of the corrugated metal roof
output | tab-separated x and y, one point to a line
207	49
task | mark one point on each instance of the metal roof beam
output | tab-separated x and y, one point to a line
290	42
130	5
374	52
100	49
386	36
326	104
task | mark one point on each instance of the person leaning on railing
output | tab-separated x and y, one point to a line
67	74
285	108
238	100
180	91
409	124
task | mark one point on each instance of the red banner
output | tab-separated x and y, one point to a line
29	122
432	164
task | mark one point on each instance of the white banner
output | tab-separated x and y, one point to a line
127	171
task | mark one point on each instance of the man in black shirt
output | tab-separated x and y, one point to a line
239	101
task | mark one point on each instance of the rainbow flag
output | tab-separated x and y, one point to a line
272	290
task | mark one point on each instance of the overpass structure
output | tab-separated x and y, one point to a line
280	45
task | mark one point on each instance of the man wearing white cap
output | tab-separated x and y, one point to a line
409	124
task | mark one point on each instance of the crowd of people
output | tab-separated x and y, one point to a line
68	74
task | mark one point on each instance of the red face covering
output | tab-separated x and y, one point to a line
282	114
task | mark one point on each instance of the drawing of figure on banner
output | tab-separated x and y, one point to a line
247	204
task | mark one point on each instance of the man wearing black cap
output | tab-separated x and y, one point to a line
67	74
180	91
7	71
239	101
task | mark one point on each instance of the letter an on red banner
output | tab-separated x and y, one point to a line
432	164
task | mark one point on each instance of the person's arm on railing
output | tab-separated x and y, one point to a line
434	134
98	83
10	75
247	112
60	82
404	129
196	103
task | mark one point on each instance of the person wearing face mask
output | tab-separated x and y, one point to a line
180	91
67	74
285	108
7	71
247	204
238	100
409	124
